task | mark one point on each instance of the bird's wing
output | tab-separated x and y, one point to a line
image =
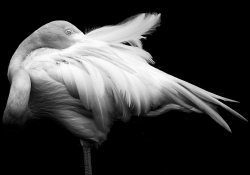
115	80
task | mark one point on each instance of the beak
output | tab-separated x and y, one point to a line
79	37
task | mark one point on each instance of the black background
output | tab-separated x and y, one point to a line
204	44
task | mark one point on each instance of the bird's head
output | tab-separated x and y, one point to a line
56	35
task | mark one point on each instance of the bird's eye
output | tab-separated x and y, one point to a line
69	31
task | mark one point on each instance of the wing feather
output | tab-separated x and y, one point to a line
90	90
83	84
130	31
69	80
111	78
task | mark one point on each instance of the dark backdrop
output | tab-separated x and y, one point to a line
204	44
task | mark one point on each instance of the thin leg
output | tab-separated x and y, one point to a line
87	157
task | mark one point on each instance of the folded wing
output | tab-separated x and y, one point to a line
114	80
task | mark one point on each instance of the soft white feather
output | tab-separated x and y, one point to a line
83	85
131	31
114	80
69	79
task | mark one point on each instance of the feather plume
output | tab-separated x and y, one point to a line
69	80
89	89
114	80
144	87
130	31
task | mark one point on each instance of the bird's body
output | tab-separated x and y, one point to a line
86	82
48	85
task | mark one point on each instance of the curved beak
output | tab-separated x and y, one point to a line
79	37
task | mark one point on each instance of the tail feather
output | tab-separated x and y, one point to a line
187	97
170	107
196	90
201	104
210	97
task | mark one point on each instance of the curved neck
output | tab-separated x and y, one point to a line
28	45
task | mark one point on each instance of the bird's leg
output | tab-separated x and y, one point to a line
87	156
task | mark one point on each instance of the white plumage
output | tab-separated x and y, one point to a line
86	82
100	79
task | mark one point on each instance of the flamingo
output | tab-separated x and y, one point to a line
87	81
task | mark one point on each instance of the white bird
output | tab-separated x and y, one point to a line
87	81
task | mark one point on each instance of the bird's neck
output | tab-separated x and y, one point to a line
23	50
